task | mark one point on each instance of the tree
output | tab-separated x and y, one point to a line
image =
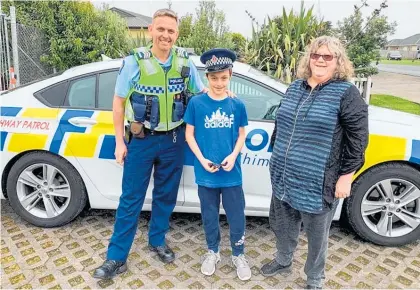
277	45
185	26
208	29
239	42
363	39
77	32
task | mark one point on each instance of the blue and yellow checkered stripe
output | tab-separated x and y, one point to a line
176	88
148	89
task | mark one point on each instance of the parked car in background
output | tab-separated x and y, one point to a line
394	55
57	154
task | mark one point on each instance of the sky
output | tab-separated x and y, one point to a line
406	13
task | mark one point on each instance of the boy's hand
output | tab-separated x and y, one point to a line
207	166
229	162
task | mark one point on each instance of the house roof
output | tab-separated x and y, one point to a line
394	42
412	40
134	20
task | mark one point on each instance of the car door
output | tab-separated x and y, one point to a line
91	98
261	103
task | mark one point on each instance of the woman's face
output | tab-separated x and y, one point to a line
323	64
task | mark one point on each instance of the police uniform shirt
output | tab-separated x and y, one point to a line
130	74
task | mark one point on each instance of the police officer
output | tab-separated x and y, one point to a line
151	95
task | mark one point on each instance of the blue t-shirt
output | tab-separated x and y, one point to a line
130	74
216	130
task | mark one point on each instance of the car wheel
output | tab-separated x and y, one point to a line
384	207
45	190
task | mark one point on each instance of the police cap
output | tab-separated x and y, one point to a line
218	59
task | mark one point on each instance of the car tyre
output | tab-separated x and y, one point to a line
361	189
60	200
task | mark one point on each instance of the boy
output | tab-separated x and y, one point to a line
215	133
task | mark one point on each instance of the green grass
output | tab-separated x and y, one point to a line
401	62
395	103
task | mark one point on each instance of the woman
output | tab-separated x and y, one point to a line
319	142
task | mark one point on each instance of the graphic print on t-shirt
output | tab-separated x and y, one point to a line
219	119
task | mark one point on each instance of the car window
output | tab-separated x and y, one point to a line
54	95
21	86
261	103
106	89
81	93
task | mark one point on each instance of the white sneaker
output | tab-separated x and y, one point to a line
242	268
208	267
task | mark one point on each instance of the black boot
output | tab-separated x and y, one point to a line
312	287
272	268
109	269
165	253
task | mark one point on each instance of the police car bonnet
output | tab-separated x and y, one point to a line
218	59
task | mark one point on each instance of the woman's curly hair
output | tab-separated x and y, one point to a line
344	70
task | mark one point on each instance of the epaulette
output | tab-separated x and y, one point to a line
141	53
181	52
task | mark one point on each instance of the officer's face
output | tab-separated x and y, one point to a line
219	81
164	32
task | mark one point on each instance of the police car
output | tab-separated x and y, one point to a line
57	154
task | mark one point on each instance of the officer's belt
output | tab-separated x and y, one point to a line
151	132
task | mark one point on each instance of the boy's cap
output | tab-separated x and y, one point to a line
218	59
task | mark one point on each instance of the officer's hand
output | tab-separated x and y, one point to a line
229	162
120	152
230	94
207	164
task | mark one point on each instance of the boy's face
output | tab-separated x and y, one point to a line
219	81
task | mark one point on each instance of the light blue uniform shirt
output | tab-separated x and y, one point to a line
130	74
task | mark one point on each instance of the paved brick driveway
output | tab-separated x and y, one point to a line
64	258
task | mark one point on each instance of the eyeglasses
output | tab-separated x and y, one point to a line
326	57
